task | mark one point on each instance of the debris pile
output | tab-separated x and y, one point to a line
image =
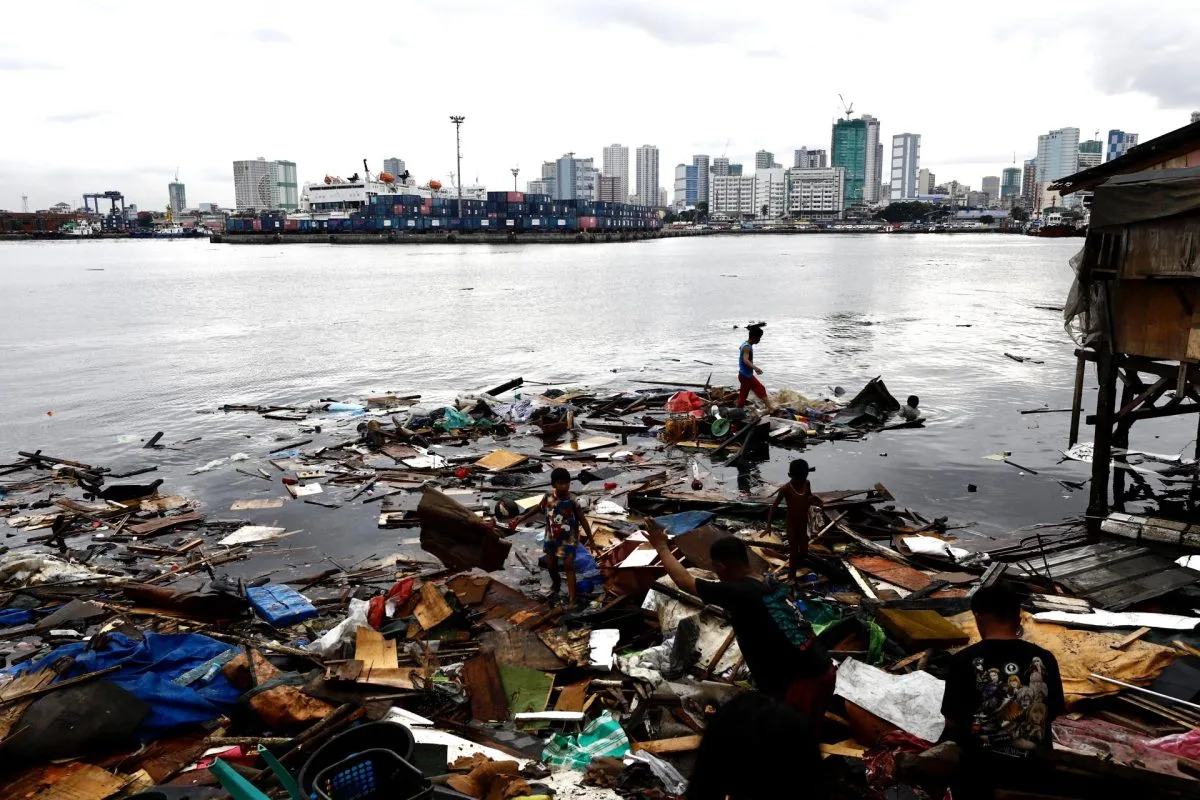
144	651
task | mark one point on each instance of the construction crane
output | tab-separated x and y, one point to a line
849	109
725	152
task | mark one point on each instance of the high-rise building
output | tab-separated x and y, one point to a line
810	158
849	151
177	196
1029	183
1057	157
395	166
287	190
1010	184
616	165
701	165
906	166
926	180
816	193
691	183
608	189
254	186
647	175
764	160
770	192
565	177
540	186
1119	143
549	169
991	187
720	167
684	174
873	176
735	169
1091	154
662	197
733	196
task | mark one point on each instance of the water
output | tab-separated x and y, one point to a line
163	330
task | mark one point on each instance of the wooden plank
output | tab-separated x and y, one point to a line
896	574
1130	639
469	589
374	651
256	503
433	608
157	526
846	747
679	744
499	460
521	648
481	677
921	630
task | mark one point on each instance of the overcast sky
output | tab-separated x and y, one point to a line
104	95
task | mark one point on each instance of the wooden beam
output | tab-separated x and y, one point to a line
680	744
1148	396
1130	639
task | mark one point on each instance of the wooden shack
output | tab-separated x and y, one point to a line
1137	303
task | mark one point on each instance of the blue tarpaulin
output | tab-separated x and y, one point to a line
148	669
684	521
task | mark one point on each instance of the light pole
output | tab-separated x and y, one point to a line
515	170
458	121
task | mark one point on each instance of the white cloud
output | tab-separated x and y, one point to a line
327	85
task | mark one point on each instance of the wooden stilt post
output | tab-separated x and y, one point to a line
1120	440
1106	372
1077	402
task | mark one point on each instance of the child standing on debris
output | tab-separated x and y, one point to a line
1001	696
564	519
800	501
747	369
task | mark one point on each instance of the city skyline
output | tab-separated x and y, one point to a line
1124	77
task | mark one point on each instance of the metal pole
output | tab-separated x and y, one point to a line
458	121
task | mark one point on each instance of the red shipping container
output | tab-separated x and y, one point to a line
516	197
257	224
292	225
587	223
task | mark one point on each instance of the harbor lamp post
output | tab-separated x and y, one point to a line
458	121
515	171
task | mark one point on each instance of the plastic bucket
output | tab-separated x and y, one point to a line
372	775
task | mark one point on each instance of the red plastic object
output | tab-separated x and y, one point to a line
685	403
610	485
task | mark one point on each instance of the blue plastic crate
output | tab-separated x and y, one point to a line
280	605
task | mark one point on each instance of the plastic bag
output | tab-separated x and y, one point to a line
602	738
344	631
1179	744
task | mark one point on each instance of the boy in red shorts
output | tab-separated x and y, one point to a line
747	369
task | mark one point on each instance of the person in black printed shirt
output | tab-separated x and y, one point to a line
1001	696
781	651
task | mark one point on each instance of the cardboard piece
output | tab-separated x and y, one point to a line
469	589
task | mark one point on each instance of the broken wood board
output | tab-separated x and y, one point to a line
469	589
481	677
74	781
526	503
256	503
572	697
28	682
374	651
520	648
526	690
583	445
921	630
249	534
846	747
899	575
457	537
152	505
157	526
499	460
303	489
572	646
679	744
391	677
433	609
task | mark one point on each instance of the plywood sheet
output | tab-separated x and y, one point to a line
481	677
374	651
583	445
255	503
521	648
433	608
498	460
526	690
469	589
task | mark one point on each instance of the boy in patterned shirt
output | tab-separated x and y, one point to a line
564	520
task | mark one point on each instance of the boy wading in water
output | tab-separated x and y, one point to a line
800	500
564	519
